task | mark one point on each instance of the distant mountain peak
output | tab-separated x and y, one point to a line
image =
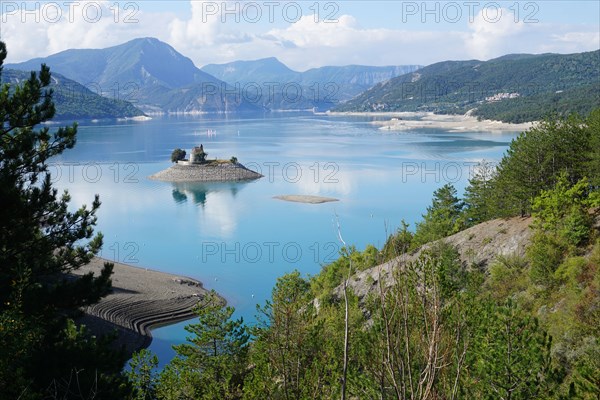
137	62
144	70
331	83
273	60
149	40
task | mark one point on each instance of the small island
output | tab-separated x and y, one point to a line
199	169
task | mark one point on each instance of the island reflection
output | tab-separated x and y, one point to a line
198	192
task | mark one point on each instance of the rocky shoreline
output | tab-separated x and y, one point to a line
141	299
210	172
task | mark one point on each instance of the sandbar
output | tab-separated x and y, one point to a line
303	198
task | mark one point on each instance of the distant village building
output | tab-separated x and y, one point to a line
501	96
198	156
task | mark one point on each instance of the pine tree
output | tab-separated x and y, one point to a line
535	160
141	374
41	244
417	340
398	243
563	211
479	195
443	217
214	361
593	166
509	356
284	347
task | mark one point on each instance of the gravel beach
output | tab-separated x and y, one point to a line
213	172
141	299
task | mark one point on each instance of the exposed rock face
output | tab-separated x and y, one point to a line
212	172
482	243
477	246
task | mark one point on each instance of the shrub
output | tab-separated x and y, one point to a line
545	254
177	155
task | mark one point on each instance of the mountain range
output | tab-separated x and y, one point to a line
338	84
512	88
155	78
149	73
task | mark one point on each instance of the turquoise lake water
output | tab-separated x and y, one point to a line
235	237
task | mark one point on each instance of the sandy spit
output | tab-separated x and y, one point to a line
141	299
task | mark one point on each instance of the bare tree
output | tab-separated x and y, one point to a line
424	348
346	312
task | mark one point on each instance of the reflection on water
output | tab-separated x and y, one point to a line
198	192
379	177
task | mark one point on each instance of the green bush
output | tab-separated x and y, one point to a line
570	269
443	217
563	210
398	243
545	254
177	155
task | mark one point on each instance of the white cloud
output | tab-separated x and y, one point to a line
574	41
38	30
493	33
490	38
306	44
205	38
308	33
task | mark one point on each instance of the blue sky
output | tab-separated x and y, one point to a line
309	33
385	14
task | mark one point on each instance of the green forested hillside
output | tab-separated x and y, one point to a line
581	100
76	102
545	83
